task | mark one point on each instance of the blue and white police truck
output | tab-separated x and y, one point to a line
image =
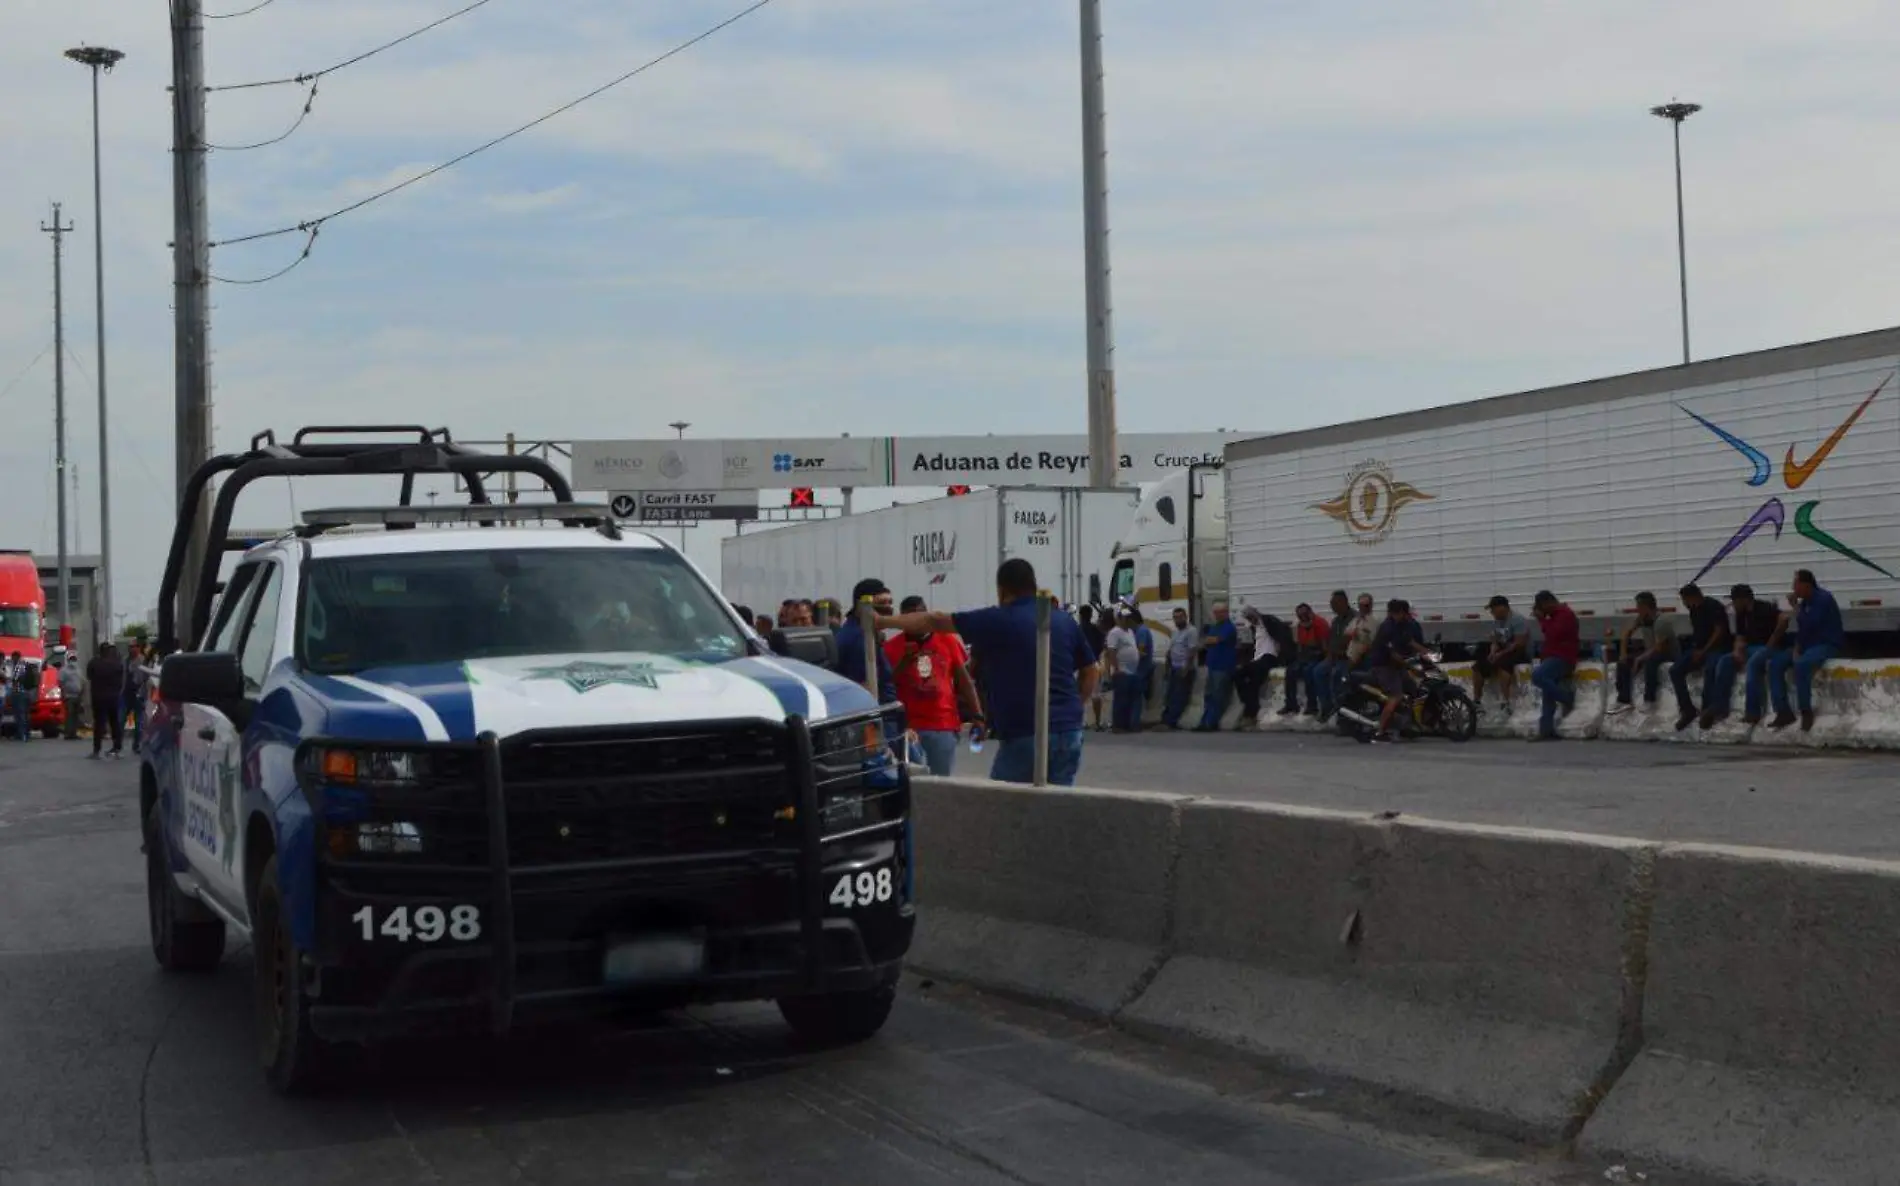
468	768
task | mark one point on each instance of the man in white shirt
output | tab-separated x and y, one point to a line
1121	654
1183	655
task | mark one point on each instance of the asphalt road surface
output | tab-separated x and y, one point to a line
1834	802
114	1073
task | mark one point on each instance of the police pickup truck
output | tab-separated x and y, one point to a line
467	768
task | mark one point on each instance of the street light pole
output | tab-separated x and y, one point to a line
1675	113
97	59
680	427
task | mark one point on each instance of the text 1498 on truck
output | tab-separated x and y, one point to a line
470	768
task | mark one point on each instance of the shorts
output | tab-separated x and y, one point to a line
1390	680
1486	668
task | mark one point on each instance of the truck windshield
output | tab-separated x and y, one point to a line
360	612
19	621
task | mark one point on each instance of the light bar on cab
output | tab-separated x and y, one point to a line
571	513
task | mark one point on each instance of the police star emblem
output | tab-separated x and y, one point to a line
585	677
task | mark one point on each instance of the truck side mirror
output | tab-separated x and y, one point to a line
210	678
815	645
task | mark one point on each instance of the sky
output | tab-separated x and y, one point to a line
865	216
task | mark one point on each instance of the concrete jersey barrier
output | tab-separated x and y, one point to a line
1724	1011
1771	1026
1480	968
1058	897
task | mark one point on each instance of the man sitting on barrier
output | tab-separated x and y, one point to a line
1558	665
1499	658
1708	642
1818	637
1649	641
1756	622
1005	635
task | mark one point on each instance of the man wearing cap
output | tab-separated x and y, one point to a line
851	645
1755	623
1508	649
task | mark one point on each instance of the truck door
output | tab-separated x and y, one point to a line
211	759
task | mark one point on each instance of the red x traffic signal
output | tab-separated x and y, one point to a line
803	496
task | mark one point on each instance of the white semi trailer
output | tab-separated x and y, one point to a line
1735	470
946	550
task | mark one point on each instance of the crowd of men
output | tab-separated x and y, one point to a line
112	685
975	669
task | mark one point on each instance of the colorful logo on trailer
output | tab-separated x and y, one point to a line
1369	506
1794	475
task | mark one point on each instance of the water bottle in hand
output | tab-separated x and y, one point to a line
976	737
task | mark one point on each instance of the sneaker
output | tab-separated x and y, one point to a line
1708	718
1619	708
95	755
1807	720
1290	711
1752	719
1685	720
1545	737
1782	720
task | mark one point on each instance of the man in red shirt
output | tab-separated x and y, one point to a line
934	684
1557	662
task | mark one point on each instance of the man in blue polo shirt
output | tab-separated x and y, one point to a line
1003	638
1818	636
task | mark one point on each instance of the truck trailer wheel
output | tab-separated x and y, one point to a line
184	939
839	1018
295	1061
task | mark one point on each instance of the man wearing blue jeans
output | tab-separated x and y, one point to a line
1184	653
1756	622
1221	644
1558	664
1004	636
1818	636
1709	640
1327	676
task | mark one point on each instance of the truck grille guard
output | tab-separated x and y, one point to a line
874	762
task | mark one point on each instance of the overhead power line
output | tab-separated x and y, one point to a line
310	100
225	16
311	226
347	62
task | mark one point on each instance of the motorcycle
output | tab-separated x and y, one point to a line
1432	706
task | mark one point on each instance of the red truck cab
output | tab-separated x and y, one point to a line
23	629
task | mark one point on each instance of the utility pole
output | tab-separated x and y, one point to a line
1104	451
191	278
98	58
59	411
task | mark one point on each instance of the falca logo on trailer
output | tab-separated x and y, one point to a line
585	677
935	552
1039	523
1370	504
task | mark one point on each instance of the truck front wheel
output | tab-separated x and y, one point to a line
839	1018
180	941
295	1060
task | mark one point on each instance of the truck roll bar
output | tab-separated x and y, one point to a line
432	451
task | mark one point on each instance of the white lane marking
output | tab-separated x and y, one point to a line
432	727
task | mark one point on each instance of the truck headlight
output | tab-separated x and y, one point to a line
855	762
352	767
